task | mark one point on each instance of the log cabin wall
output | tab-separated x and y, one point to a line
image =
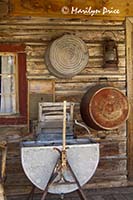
36	33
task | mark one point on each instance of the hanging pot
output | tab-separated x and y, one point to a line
66	56
104	107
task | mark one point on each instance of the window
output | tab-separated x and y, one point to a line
8	84
13	84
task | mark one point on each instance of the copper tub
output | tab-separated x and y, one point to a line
104	107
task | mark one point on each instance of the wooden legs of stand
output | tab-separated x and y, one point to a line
80	191
31	194
52	178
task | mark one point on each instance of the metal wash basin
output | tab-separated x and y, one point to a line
40	157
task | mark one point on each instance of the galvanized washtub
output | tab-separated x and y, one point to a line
39	159
66	56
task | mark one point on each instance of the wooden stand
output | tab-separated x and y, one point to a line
58	169
61	165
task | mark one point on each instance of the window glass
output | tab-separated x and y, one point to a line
8	90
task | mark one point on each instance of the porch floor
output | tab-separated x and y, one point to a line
123	193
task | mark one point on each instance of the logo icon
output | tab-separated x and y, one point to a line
65	10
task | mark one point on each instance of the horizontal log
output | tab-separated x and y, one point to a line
90	72
47	24
102	136
71	92
94	50
113	148
46	33
43	27
39	68
82	86
31	44
61	21
37	37
21	29
116	181
92	78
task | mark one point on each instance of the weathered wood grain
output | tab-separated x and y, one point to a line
3	8
129	37
36	33
54	9
122	193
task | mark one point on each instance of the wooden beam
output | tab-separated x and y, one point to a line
129	39
72	9
3	8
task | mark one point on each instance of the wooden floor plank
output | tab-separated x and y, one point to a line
97	197
129	196
108	197
119	197
123	193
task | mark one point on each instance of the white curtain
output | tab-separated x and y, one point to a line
7	85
